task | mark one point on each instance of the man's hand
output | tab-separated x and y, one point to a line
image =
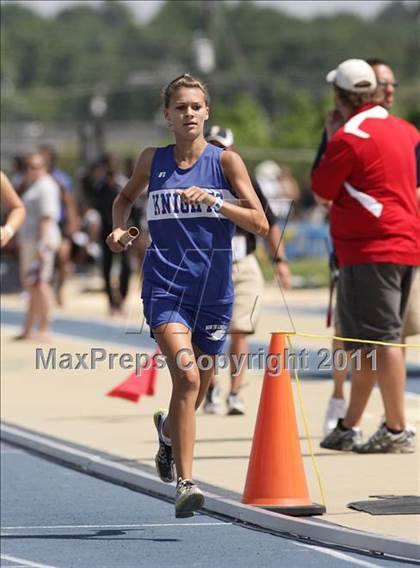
333	121
284	274
323	202
113	238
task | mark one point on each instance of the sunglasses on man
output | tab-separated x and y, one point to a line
386	84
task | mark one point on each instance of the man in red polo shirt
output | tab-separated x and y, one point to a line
368	172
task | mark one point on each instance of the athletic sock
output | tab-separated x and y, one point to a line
394	431
341	427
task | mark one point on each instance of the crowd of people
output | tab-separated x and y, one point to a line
78	210
67	221
201	280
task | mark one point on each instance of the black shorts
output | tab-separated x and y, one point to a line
371	301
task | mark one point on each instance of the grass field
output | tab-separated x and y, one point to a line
306	271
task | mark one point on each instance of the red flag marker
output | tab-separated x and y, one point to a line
136	385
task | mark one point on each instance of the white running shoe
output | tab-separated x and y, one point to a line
164	460
342	440
408	427
213	402
235	405
188	499
385	442
336	409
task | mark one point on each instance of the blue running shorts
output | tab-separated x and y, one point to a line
209	324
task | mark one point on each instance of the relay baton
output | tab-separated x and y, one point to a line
129	236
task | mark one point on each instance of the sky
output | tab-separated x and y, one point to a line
145	9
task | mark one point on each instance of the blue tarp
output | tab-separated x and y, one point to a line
303	240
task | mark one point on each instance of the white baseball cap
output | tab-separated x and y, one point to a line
354	75
223	136
268	170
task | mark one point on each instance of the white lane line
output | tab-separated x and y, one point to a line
14	566
340	555
53	527
25	563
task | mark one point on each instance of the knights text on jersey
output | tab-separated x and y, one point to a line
190	257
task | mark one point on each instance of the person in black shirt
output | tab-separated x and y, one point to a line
106	191
248	284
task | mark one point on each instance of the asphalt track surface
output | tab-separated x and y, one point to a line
56	517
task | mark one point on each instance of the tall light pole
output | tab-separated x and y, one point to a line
204	40
204	53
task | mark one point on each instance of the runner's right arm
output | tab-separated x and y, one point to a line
123	203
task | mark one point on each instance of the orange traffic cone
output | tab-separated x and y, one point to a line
136	385
276	477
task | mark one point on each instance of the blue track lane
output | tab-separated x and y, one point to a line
57	517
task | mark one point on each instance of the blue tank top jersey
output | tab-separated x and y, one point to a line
190	257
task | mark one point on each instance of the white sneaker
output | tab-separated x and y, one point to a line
235	405
408	427
336	409
188	498
385	442
213	402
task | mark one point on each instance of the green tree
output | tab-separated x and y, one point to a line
248	120
301	125
51	66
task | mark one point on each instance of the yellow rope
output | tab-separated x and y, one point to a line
299	390
353	340
306	427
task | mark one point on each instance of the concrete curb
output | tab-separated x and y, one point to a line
297	527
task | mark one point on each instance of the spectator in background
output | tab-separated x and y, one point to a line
15	210
18	172
248	285
110	162
106	192
69	217
39	242
336	409
278	186
386	91
85	249
386	83
368	172
90	176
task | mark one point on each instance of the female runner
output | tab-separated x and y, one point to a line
197	193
